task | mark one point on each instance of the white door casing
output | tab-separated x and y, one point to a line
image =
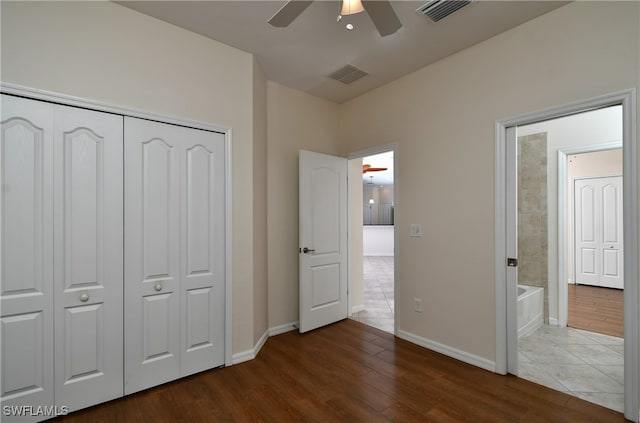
599	232
503	232
26	242
511	185
323	239
175	260
88	258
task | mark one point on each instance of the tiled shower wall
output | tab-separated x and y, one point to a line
532	213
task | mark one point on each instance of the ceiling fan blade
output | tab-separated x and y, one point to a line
287	14
383	16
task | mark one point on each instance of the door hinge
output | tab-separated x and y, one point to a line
512	262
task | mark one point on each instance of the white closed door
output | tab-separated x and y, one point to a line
174	252
26	256
152	254
202	245
88	256
599	232
323	239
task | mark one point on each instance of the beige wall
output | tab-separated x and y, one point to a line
295	121
260	282
443	118
105	52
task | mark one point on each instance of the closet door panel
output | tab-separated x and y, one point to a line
26	252
203	254
152	254
88	256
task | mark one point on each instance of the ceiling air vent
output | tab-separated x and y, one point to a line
440	9
348	74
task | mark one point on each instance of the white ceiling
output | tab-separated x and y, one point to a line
384	177
315	45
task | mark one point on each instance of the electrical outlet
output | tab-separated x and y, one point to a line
417	305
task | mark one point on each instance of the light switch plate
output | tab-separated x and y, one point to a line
415	230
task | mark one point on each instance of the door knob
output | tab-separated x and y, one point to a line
307	250
84	298
158	286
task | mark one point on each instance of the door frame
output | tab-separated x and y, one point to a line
352	231
67	100
563	181
505	355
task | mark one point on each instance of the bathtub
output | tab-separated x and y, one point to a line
530	309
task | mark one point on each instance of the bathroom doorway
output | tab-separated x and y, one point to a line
566	169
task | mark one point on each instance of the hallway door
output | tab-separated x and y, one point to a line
323	240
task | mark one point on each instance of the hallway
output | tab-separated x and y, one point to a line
378	293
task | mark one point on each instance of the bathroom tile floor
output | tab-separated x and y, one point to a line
585	364
378	293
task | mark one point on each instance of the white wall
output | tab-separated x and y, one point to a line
443	118
105	52
591	128
377	240
356	269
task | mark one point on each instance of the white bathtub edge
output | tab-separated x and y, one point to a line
464	356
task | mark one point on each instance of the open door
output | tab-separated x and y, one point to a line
323	240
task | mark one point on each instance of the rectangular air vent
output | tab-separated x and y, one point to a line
348	74
440	9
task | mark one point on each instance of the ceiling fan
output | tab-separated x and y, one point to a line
380	11
367	168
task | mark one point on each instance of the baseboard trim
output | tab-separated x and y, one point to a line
277	330
260	343
243	356
247	355
357	309
553	322
464	356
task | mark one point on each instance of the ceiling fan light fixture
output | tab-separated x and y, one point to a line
351	7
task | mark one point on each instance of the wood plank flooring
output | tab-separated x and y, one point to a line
596	309
348	372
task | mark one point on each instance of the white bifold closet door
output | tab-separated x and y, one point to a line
61	252
175	252
88	250
26	240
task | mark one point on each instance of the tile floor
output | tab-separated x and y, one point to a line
585	364
378	293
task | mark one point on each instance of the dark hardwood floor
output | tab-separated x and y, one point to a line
348	372
596	309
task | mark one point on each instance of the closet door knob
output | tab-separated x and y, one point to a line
84	298
158	286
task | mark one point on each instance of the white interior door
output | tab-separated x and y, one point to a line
323	239
26	256
152	253
202	289
88	256
599	232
